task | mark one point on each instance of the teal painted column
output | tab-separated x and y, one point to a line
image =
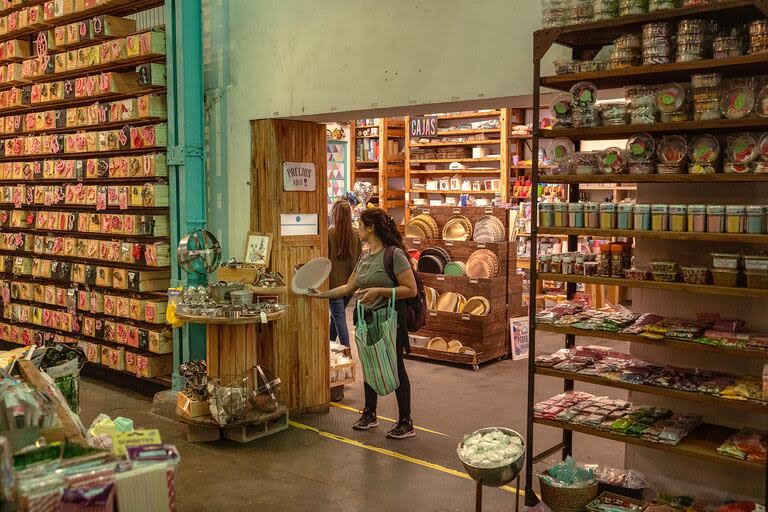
186	155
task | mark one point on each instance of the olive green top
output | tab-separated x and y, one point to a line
341	268
370	273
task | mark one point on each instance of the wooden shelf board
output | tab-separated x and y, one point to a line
67	283
83	156
599	33
664	343
622	131
462	172
75	102
608	188
86	261
752	406
451	160
84	234
660	73
114	9
494	142
702	443
131	63
468	192
653	178
366	136
742	238
88	128
657	285
451	133
137	210
470	115
363	127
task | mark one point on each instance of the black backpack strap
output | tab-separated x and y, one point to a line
389	262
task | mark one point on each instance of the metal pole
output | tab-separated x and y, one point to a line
479	497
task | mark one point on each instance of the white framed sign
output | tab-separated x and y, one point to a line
299	177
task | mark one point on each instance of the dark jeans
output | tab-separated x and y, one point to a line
339	320
403	393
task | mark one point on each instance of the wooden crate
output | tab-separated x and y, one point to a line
337	372
459	325
492	289
441	214
487	349
460	251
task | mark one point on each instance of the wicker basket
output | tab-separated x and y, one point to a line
565	499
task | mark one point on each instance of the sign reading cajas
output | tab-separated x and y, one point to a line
424	127
299	177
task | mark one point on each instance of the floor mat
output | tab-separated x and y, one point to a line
427	446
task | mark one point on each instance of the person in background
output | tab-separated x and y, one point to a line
371	278
344	249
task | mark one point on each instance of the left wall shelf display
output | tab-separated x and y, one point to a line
377	155
84	196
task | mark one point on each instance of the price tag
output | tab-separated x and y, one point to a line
416	241
481	245
456	211
425	211
449	243
432	313
263	316
488	209
441	277
465	316
473	280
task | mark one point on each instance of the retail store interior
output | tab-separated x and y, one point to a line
270	256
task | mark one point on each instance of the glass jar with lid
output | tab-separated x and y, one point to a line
546	215
660	217
715	218
625	217
734	218
608	216
576	215
678	217
591	215
697	218
642	217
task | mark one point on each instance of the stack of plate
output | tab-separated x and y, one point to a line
457	228
422	226
454	346
450	302
433	260
456	268
477	305
483	264
489	229
431	296
437	343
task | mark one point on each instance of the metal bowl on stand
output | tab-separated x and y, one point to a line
496	476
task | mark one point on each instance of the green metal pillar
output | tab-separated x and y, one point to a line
186	155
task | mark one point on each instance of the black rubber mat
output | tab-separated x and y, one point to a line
427	446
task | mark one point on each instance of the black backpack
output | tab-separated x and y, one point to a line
415	307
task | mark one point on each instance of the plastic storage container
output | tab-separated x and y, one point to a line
755	223
737	103
546	215
576	215
715	218
591	215
560	215
678	217
725	277
612	161
755	262
734	218
642	215
642	105
625	217
660	217
757	279
726	260
697	218
608	216
694	275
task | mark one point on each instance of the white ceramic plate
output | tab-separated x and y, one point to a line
311	275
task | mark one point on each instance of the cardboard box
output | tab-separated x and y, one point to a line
191	407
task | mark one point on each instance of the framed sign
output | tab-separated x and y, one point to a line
299	177
258	247
424	127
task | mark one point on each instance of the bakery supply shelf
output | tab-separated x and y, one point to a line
136	210
663	343
459	143
753	406
455	192
575	179
84	156
470	115
102	316
88	128
702	443
451	160
742	238
460	172
450	133
657	285
660	73
82	101
16	278
86	261
715	125
206	320
87	234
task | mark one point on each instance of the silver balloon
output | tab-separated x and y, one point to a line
363	191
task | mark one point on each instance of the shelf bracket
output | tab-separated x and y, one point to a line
177	154
543	41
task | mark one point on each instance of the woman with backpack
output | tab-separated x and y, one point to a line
385	266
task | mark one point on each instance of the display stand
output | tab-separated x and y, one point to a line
701	444
233	347
487	336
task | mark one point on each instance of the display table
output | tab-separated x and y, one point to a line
233	345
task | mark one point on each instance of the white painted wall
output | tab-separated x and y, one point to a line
298	57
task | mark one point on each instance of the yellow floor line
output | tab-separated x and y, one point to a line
390	453
348	408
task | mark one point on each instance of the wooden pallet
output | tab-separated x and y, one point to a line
255	426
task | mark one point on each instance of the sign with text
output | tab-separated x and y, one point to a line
423	127
299	177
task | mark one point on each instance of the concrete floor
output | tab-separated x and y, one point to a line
302	470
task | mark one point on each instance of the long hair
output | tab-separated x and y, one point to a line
343	233
384	226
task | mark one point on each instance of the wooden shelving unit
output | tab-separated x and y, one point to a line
586	40
379	168
487	335
119	275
